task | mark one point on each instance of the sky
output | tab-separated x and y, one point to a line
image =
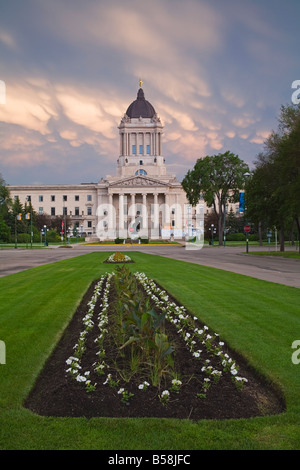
216	71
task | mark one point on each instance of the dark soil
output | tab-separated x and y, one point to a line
56	393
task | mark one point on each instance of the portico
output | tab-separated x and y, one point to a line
139	211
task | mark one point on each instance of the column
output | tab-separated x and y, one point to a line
121	215
110	211
167	210
155	230
111	218
178	219
132	211
145	217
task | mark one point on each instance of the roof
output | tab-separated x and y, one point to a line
140	107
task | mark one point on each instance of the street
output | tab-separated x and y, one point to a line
269	268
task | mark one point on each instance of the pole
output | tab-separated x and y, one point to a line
16	232
31	233
225	224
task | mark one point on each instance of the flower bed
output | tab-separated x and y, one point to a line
137	352
118	257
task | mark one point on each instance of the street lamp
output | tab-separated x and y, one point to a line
31	233
213	230
246	175
17	217
45	234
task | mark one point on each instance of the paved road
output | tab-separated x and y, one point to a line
274	269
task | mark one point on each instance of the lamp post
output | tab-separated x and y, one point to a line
213	230
225	206
246	175
31	233
45	234
18	217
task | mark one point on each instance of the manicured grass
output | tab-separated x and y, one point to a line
282	254
256	318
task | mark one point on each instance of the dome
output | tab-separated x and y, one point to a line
140	107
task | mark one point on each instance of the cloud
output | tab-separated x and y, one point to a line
244	120
27	108
260	137
8	39
72	72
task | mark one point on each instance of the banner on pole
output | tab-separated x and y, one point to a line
242	202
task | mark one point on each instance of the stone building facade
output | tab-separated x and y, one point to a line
140	200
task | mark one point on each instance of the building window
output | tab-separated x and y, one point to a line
65	198
76	198
41	210
89	224
41	198
133	149
148	149
65	211
141	172
76	210
89	197
52	198
141	150
52	211
28	198
141	162
89	211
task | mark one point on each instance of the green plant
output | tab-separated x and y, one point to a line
246	316
141	329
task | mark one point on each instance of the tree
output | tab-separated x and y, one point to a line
5	200
218	179
273	193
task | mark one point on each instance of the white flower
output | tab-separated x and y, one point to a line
144	385
176	382
80	378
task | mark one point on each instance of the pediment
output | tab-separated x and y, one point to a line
138	181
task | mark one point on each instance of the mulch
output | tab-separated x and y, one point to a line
57	394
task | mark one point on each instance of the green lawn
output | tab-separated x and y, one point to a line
283	254
256	318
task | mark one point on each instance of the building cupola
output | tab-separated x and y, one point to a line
140	108
141	133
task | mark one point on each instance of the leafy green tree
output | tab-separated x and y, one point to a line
5	199
218	179
273	193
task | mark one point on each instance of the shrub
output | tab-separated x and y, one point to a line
235	237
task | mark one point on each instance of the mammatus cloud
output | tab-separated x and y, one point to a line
210	72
